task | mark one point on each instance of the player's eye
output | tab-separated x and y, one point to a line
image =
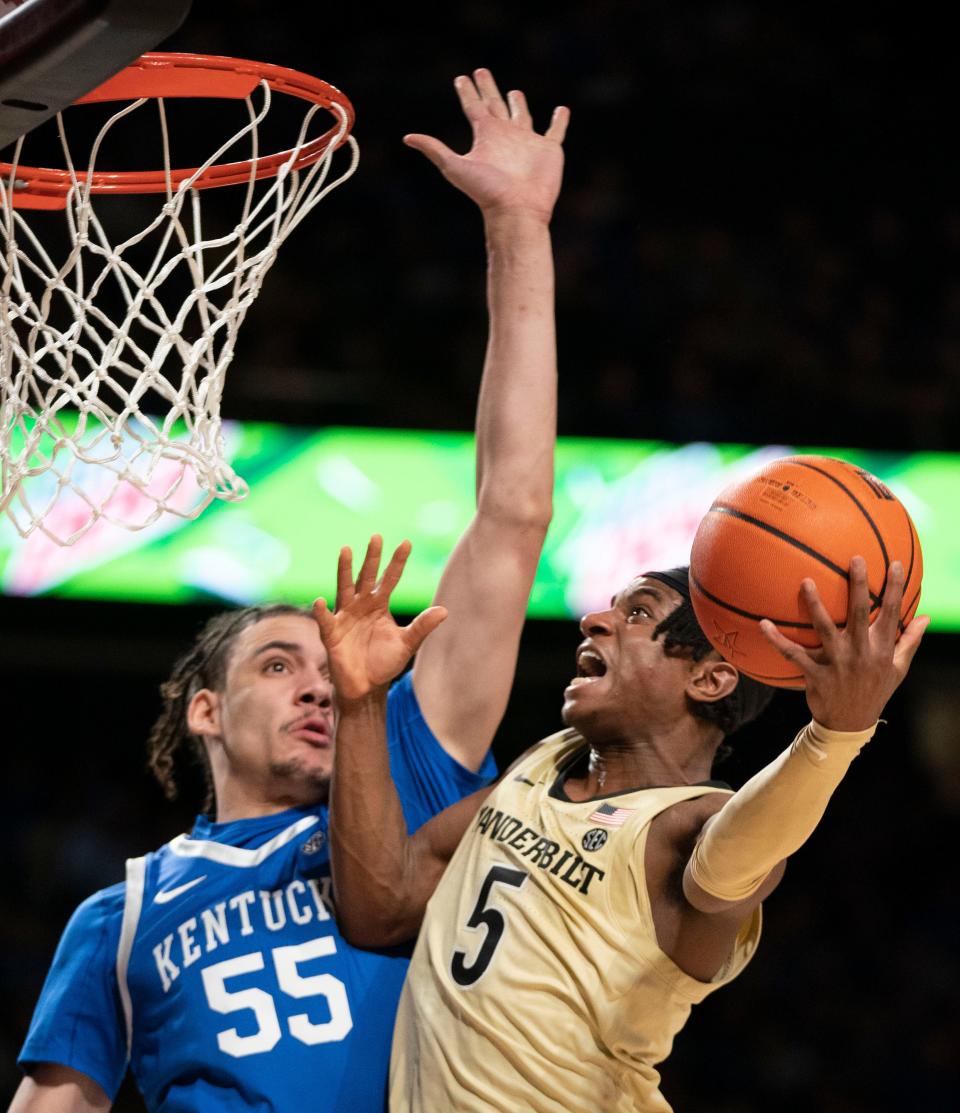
638	610
275	666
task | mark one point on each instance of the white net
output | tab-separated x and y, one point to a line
113	356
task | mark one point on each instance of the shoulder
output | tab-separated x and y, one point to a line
102	911
86	954
89	942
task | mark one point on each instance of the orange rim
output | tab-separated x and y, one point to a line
159	75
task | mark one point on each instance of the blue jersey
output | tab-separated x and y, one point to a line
217	971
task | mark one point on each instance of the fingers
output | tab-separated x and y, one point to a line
909	642
558	124
490	94
470	100
367	583
325	620
519	112
438	153
858	605
345	591
819	615
422	626
480	96
394	570
887	624
795	654
371	565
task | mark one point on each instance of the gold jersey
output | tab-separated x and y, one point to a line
537	983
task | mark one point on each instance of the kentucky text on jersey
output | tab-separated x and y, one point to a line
302	902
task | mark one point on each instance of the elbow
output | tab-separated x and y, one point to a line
538	514
375	904
699	898
738	892
530	514
376	913
372	931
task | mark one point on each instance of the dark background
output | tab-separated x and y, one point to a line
758	239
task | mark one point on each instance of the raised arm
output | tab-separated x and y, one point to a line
382	877
731	851
464	673
848	683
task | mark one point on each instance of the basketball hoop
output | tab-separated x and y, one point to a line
110	377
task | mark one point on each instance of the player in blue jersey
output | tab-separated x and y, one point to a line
216	972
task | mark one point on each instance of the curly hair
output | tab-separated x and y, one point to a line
204	665
682	636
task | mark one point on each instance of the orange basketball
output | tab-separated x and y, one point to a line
798	516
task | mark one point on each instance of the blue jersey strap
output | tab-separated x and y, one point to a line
132	904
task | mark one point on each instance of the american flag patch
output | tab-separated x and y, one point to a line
610	816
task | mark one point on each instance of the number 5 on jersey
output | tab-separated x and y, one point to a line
489	917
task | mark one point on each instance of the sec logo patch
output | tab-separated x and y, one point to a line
594	839
314	843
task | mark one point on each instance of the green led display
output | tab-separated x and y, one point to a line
620	506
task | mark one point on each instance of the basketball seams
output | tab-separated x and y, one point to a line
795	543
913	548
911	608
863	510
916	562
747	614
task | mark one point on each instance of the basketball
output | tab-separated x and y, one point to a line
798	517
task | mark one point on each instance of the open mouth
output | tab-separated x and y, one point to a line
314	732
590	667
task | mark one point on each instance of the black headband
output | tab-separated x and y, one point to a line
677	578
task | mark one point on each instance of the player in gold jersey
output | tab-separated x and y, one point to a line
605	884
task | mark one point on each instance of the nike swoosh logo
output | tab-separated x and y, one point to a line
169	894
525	781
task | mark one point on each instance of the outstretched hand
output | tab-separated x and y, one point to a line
858	668
365	646
510	166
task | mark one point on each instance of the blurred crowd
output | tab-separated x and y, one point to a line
759	240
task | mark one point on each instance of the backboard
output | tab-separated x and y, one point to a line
54	51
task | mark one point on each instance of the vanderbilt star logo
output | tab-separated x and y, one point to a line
726	640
